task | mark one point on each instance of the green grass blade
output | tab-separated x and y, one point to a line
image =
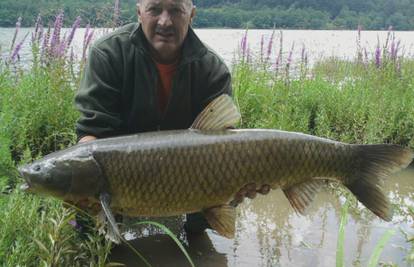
173	237
341	237
373	261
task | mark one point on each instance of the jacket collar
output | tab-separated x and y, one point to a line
193	48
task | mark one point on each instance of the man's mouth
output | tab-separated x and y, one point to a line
166	35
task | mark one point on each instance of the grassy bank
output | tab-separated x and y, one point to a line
369	100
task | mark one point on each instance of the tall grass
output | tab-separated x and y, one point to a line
366	101
37	117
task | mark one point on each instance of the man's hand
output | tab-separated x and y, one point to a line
250	191
87	138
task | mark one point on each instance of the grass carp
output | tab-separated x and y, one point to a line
201	169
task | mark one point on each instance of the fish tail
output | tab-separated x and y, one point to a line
374	164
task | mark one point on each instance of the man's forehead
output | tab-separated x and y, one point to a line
169	2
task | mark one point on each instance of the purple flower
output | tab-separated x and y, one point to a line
398	67
45	47
269	46
248	56
85	36
303	53
36	33
289	59
75	225
72	55
86	43
306	58
277	63
365	56
243	45
359	49
280	56
17	49
390	29
55	41
392	49
16	32
40	35
75	26
261	48
378	55
61	49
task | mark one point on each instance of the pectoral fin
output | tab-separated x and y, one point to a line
113	232
220	114
222	219
301	195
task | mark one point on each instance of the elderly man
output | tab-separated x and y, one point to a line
155	75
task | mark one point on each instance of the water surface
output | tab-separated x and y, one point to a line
226	42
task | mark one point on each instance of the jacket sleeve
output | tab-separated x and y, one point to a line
218	81
99	97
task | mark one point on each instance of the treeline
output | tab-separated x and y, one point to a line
298	14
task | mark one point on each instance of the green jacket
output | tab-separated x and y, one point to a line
118	92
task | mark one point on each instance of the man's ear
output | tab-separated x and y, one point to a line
193	13
138	10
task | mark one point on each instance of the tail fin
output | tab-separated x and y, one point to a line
376	162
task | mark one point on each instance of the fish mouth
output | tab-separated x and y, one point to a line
25	187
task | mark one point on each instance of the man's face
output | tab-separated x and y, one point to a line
165	24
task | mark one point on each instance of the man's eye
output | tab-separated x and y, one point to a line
175	11
154	10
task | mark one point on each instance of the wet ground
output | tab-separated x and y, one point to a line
269	233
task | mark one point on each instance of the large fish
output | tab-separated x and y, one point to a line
201	169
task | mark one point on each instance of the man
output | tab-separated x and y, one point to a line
156	75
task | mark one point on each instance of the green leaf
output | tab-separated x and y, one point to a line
341	236
373	261
114	264
41	246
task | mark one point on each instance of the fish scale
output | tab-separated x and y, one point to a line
177	177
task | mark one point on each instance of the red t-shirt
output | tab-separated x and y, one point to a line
166	72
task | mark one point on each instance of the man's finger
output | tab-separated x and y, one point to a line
264	189
250	187
251	194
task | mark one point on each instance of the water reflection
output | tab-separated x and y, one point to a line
269	233
161	250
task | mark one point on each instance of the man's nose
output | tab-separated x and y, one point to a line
165	19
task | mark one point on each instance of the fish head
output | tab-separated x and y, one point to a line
47	176
63	175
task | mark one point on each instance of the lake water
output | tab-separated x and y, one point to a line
269	233
226	42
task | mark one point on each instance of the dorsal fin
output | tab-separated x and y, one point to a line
220	114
